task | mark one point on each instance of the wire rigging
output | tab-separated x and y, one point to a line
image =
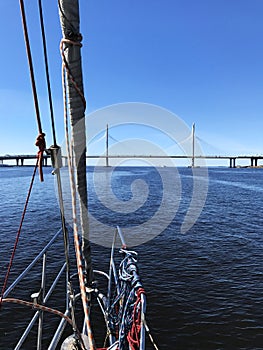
18	234
40	141
55	148
30	63
47	72
55	152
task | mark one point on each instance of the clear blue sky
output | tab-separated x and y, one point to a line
200	59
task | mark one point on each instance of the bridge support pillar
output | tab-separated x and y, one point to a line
232	162
21	161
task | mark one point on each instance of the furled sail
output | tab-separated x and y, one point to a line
71	45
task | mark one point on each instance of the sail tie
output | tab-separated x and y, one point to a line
75	42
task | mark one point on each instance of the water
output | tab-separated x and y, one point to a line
204	287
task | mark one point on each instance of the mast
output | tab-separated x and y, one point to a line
193	145
70	23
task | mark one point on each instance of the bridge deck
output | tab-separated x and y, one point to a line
20	158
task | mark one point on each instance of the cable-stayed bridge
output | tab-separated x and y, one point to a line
253	160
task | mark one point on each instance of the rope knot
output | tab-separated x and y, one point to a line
41	144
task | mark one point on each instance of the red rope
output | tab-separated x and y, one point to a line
133	336
18	234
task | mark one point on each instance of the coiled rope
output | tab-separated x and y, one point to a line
125	312
133	336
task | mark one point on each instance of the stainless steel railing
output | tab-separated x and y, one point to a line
38	316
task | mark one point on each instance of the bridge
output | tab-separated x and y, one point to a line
254	159
20	158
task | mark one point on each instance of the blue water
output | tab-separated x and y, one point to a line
204	287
